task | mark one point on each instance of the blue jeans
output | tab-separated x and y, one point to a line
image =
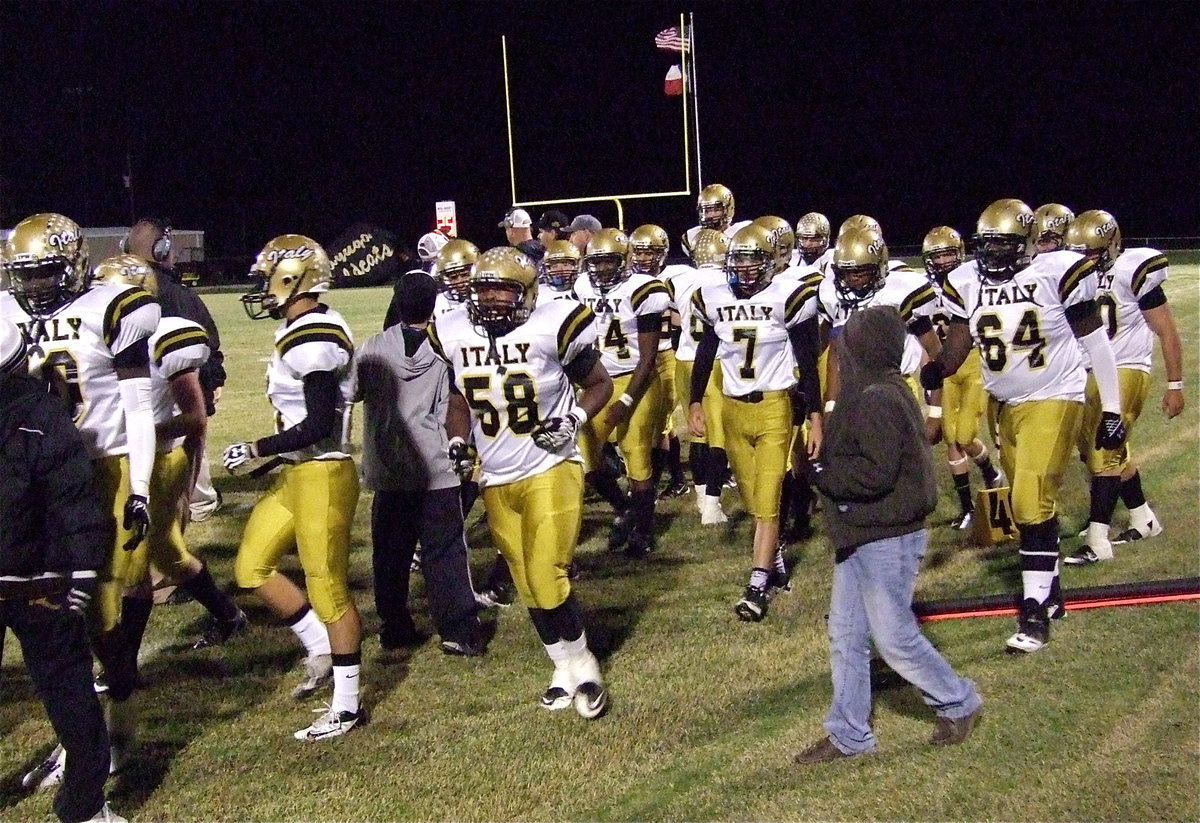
872	600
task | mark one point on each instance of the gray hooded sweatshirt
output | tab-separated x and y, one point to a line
405	391
876	467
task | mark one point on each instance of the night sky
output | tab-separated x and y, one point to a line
252	119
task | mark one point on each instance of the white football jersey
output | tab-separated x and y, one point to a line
176	346
443	304
1020	327
681	288
73	350
1133	275
668	274
907	289
545	294
319	340
517	384
616	316
754	349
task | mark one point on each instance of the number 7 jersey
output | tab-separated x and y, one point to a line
1028	348
517	384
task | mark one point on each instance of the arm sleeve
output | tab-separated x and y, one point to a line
805	347
706	353
320	407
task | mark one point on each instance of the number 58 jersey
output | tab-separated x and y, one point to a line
74	348
516	382
1020	326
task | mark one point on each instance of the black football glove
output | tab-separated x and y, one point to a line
137	520
1110	434
79	598
557	432
462	457
933	374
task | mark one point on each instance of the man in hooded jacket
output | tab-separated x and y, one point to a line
877	474
405	390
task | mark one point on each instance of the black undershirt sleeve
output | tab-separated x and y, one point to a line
805	347
134	356
1152	299
579	368
706	354
320	406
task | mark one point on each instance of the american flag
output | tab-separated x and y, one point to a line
670	40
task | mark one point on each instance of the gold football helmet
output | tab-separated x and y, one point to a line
943	251
710	248
127	270
560	265
860	259
812	236
287	268
715	206
606	260
783	238
1050	224
750	263
860	221
1095	233
502	290
648	246
452	268
46	262
1004	239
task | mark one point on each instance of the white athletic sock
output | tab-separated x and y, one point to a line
1036	585
1097	540
312	633
1140	517
345	688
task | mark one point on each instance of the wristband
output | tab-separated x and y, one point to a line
626	401
580	414
829	404
1174	385
934	413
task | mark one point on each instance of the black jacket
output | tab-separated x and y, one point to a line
177	300
876	467
52	523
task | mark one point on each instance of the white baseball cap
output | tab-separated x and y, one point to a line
516	219
430	244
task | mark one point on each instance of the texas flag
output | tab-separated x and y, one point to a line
673	84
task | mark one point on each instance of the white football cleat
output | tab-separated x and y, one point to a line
331	723
48	773
711	513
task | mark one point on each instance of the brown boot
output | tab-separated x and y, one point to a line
952	732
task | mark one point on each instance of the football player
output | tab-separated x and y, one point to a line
861	278
1134	311
649	246
764	332
963	399
558	270
706	454
516	364
1028	316
452	270
627	310
92	348
178	348
311	500
715	208
1050	224
812	240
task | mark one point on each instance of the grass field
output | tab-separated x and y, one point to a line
1103	724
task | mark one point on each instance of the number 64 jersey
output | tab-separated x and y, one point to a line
517	384
1028	349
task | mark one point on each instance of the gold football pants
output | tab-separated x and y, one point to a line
535	525
713	403
310	506
1036	438
1135	385
636	436
963	400
757	438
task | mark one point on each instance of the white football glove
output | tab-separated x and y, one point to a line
556	433
237	455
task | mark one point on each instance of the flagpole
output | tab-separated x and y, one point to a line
690	42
